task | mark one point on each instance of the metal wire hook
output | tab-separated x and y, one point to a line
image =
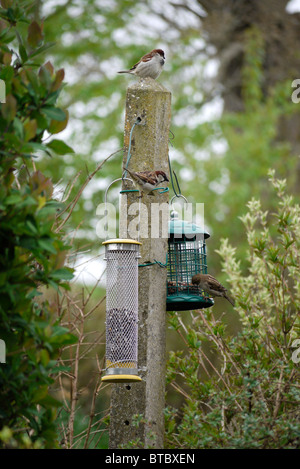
177	196
137	122
108	187
171	138
105	201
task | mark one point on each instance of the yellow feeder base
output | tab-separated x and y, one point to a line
117	372
121	378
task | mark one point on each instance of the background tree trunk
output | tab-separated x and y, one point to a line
226	26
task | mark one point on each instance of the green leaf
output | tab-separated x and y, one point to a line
7	58
44	357
6	36
60	75
9	109
30	129
23	53
45	77
52	98
54	113
39	146
63	338
28	243
31	227
53	284
47	245
7	3
56	126
40	393
62	274
7	73
41	49
49	401
60	147
35	35
18	126
32	77
13	199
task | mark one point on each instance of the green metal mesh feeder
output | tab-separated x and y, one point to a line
186	257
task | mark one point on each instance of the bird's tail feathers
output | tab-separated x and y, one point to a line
128	170
231	300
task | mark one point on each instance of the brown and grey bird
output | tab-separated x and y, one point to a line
210	285
147	180
150	65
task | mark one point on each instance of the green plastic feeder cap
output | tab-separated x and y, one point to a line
180	228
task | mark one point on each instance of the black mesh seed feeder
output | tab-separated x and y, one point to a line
186	257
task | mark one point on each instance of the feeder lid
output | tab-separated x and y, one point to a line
121	241
181	227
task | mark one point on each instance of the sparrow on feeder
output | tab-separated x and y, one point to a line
147	180
211	286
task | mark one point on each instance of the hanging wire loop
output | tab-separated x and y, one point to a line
177	194
137	122
180	195
105	202
161	190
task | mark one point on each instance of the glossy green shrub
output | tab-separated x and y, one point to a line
32	251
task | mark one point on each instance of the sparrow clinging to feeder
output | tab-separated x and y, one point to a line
147	180
150	65
211	286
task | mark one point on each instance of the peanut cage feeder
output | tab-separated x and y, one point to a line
186	257
121	310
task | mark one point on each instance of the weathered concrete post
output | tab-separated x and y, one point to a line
151	102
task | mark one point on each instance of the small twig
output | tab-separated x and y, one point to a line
33	164
74	383
92	414
88	179
221	378
180	390
65	197
95	307
221	345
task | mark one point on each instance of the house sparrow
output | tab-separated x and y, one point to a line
150	65
211	286
148	180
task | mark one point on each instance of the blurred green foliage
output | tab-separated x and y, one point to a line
32	253
221	159
241	391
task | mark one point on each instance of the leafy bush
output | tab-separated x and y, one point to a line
243	391
32	252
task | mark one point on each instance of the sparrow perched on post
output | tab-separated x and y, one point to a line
211	286
148	180
150	65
